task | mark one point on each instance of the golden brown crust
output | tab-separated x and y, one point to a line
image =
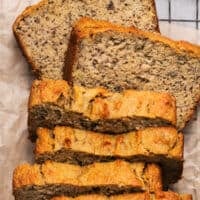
70	57
86	27
186	197
150	141
26	174
137	196
156	21
119	172
163	145
47	91
104	104
153	178
160	195
29	10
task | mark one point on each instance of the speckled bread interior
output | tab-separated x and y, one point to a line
118	58
43	30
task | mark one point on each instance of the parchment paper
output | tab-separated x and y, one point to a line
15	82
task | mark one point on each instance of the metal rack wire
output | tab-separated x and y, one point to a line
170	19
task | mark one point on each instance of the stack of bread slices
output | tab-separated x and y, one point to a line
109	103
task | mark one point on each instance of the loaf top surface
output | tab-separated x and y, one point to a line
119	172
98	103
43	30
150	141
160	195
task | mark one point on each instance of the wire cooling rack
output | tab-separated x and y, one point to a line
171	19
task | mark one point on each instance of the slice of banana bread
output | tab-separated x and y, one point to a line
117	58
160	195
36	182
54	102
163	145
43	30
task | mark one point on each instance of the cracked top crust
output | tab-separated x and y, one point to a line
138	175
99	103
150	141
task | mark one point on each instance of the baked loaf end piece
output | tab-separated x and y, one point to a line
43	30
118	58
137	196
36	182
163	145
54	102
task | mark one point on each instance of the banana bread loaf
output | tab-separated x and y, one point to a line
43	30
160	195
118	58
54	102
36	182
163	145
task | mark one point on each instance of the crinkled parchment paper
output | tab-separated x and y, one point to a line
15	82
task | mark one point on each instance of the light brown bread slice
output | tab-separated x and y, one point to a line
137	196
43	30
54	102
36	182
118	58
163	145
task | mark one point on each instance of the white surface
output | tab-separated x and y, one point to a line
15	81
178	32
180	9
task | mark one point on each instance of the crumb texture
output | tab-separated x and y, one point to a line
72	180
43	30
120	58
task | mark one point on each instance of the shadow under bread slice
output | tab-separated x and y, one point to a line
163	145
36	182
160	195
101	54
54	102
